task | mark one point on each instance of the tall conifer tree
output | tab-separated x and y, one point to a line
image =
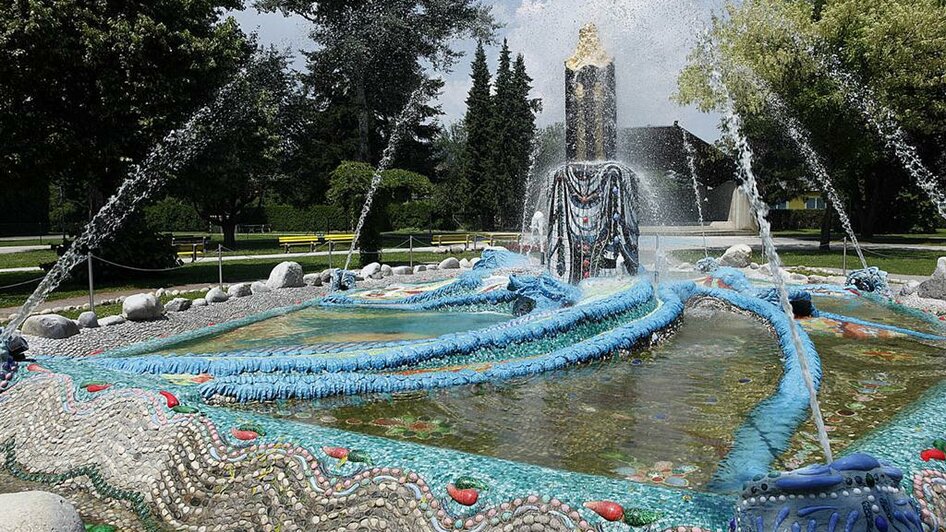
481	203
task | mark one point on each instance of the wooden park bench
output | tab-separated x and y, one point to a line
493	238
313	241
451	240
190	246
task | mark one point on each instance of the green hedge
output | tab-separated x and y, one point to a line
173	215
786	220
317	218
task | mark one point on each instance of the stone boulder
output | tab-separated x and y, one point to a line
216	295
402	270
88	320
386	270
433	267
239	290
38	511
420	268
910	288
327	275
260	287
738	256
109	321
286	275
370	270
450	263
142	307
312	279
50	326
199	302
935	286
178	304
465	264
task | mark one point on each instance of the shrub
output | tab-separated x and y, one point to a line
173	215
317	218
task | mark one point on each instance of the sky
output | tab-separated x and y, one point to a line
650	40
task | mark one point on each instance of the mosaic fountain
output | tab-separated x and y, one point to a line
665	407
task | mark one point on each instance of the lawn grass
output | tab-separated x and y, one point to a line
894	261
200	273
26	259
930	239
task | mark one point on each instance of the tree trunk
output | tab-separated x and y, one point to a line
826	221
228	226
364	122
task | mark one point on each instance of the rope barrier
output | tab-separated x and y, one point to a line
133	268
38	279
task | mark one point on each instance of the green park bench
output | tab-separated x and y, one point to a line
192	247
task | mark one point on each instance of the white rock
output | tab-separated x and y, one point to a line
818	279
910	288
457	248
286	275
449	263
199	302
312	279
754	266
685	266
260	287
798	278
142	307
159	292
433	267
35	511
58	310
940	272
216	295
178	304
50	326
174	293
738	256
88	320
108	321
474	260
465	264
205	289
327	275
420	268
239	290
402	270
385	270
377	276
46	311
443	250
370	269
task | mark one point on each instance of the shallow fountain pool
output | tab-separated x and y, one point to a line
323	325
665	416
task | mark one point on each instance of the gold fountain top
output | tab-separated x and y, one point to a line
590	50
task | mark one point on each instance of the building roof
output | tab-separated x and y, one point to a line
660	149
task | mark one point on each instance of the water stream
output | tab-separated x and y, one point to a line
691	162
408	115
800	136
147	177
882	119
751	188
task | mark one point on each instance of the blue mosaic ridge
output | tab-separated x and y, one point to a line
490	260
768	429
406	354
883	326
246	388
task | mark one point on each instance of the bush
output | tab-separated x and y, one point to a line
134	244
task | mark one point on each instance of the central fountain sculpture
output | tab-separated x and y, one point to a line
593	201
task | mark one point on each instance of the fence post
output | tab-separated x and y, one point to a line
220	264
410	244
844	258
331	246
91	285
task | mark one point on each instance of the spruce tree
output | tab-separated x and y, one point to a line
525	130
481	202
503	160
